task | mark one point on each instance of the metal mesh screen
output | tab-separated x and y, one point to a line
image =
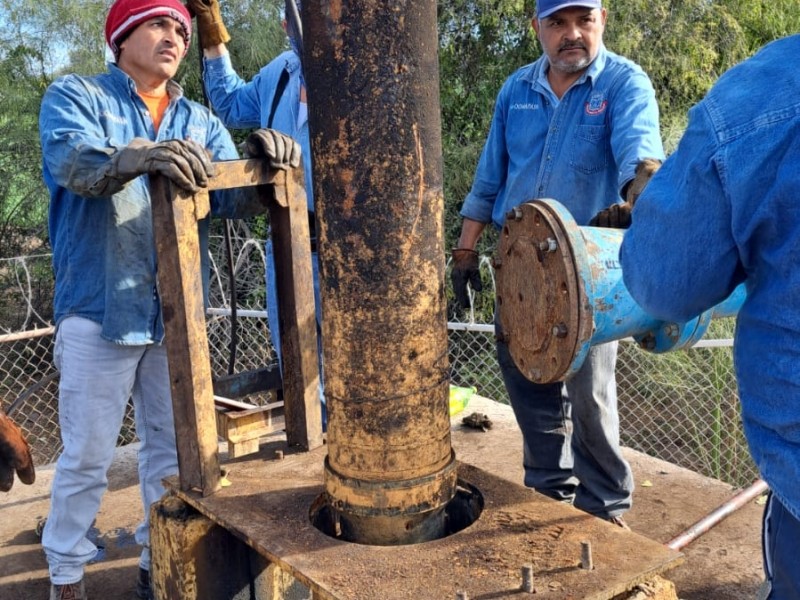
681	407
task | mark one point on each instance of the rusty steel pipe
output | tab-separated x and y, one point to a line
718	514
560	291
373	89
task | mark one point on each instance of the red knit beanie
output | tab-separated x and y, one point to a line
125	15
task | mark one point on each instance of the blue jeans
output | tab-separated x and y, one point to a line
781	546
97	379
570	433
273	320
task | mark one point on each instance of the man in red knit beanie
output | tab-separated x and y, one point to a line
102	137
125	15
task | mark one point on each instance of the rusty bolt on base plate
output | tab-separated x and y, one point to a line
527	579
586	556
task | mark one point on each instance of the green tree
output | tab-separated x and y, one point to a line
481	43
683	44
22	209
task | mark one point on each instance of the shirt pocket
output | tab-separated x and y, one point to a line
589	149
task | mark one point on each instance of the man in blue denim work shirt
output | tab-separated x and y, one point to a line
724	210
572	126
275	97
101	137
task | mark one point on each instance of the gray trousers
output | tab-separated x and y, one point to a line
570	433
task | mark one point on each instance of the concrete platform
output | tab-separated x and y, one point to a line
724	564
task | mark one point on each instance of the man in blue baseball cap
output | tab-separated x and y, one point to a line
545	8
579	125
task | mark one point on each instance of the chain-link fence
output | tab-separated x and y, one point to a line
681	407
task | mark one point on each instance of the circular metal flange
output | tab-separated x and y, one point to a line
541	302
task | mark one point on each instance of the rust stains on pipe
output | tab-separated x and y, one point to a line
373	88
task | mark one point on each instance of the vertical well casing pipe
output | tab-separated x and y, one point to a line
371	69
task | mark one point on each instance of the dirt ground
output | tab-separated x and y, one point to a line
723	564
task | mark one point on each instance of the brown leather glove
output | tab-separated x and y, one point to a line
211	30
618	216
15	455
184	162
282	151
465	270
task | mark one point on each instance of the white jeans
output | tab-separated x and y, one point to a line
97	378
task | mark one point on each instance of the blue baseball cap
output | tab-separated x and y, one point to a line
545	8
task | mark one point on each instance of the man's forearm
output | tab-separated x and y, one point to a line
470	232
215	51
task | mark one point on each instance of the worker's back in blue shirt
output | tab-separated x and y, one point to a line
725	208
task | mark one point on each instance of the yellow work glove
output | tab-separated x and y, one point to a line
211	30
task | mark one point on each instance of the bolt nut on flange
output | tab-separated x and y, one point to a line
514	214
648	342
548	245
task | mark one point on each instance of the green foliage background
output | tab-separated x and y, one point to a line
683	44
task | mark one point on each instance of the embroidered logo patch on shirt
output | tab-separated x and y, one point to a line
524	106
596	105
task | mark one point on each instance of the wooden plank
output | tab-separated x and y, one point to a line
297	315
181	293
286	198
175	215
241	173
243	429
236	426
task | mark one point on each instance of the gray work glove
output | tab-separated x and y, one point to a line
211	30
465	270
15	455
282	151
184	162
618	216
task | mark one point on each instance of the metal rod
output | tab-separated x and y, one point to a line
718	514
27	335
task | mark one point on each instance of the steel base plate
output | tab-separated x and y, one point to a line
269	502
